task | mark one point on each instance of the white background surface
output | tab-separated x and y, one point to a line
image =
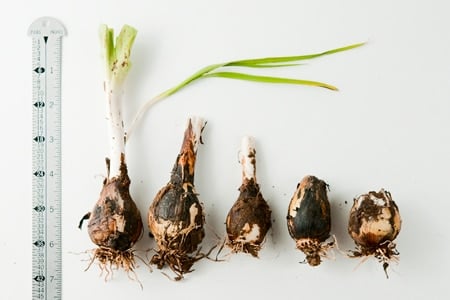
386	127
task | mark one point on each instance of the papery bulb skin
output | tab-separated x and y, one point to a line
374	224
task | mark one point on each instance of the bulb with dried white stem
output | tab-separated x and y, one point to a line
248	220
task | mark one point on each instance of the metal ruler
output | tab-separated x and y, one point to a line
47	36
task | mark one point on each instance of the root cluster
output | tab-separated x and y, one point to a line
109	260
385	252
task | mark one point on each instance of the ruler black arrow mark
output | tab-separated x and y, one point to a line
39	173
39	104
39	243
39	278
39	208
39	70
39	139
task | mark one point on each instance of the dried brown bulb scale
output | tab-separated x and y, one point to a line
176	216
309	219
374	224
115	223
248	220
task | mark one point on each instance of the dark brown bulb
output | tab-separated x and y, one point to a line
309	219
248	220
115	223
176	216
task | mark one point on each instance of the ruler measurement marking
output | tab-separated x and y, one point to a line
47	227
45	109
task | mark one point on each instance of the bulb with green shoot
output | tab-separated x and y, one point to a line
115	223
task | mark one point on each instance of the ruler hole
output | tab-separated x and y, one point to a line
45	23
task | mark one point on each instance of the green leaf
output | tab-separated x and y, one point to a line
117	55
268	62
284	59
271	65
107	44
269	79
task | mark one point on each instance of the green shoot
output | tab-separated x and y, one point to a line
268	79
117	55
268	62
117	65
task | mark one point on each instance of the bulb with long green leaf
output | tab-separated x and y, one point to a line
115	222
